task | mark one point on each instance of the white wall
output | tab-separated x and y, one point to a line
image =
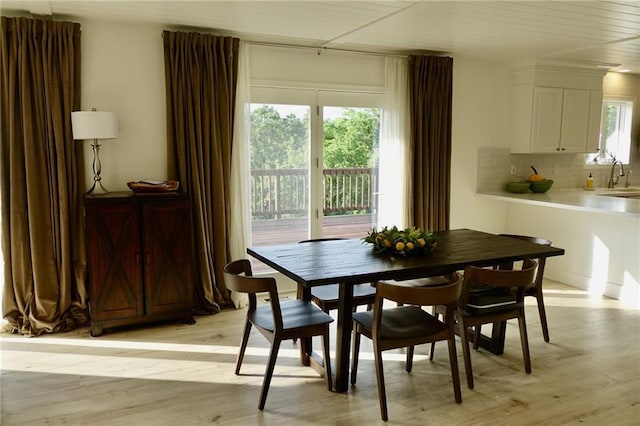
481	98
123	72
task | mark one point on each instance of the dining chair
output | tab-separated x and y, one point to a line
327	296
405	326
535	289
276	321
491	296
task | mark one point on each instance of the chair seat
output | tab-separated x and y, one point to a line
330	293
488	300
295	314
402	322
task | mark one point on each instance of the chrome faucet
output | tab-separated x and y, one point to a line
613	181
626	180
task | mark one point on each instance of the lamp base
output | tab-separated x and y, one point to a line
97	188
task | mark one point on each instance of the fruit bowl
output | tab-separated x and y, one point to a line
540	186
518	187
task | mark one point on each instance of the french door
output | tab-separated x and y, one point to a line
314	164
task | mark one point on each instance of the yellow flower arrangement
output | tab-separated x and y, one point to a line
408	241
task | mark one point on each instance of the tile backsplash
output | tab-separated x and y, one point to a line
566	170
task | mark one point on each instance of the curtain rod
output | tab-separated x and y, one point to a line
321	49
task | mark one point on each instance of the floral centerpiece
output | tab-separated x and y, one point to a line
404	242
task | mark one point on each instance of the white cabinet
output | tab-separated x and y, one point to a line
551	118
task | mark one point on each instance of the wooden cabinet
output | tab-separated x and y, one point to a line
553	113
139	258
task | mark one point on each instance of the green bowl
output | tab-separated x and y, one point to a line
540	186
518	187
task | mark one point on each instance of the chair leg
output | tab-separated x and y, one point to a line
476	339
273	355
382	394
455	374
466	351
243	345
524	340
409	366
327	359
543	316
355	347
434	312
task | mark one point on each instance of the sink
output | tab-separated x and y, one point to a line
629	192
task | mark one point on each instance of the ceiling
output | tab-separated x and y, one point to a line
585	33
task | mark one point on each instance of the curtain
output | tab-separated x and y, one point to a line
41	177
201	72
430	94
395	149
241	170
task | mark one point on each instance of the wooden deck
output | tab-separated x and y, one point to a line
282	231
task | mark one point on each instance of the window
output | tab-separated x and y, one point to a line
314	164
615	132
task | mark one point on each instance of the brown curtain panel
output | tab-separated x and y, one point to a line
42	231
430	94
201	72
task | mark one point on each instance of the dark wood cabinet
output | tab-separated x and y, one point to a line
139	258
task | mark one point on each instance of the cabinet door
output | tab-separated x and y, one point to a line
167	253
113	246
546	121
575	120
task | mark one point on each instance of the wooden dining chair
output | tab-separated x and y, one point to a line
327	296
276	322
535	289
405	326
491	296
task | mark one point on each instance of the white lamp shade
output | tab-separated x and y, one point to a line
94	125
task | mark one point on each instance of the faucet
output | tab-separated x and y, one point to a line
613	181
626	180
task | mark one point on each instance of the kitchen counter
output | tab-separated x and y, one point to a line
577	199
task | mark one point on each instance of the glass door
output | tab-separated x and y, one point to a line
314	164
349	173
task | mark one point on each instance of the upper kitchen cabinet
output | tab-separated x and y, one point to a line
556	110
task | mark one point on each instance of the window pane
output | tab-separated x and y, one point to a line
350	170
279	152
615	137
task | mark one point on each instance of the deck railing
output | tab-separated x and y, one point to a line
284	193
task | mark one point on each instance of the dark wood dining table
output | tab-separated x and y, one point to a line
352	261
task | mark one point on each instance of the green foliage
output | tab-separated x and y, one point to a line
278	142
352	139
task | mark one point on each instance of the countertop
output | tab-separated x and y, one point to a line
577	199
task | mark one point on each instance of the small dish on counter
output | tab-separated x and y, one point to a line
518	187
540	186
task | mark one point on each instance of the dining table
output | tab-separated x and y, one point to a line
352	261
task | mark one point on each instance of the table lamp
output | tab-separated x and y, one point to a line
94	125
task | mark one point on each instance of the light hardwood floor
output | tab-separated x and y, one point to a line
176	374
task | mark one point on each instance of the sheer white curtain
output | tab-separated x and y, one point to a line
395	150
240	170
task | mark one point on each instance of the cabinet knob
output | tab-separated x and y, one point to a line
563	149
557	149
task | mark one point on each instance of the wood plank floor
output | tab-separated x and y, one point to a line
176	374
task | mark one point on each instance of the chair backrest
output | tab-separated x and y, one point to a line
507	280
238	276
442	294
438	295
541	261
